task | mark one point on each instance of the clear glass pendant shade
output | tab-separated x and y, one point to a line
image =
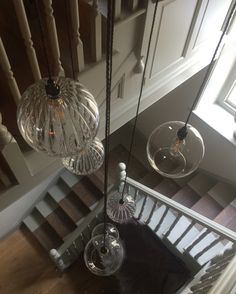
104	259
58	125
111	230
118	210
173	157
88	160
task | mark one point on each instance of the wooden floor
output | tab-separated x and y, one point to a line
26	268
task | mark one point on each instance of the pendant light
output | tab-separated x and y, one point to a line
57	115
121	205
111	230
104	254
88	160
175	149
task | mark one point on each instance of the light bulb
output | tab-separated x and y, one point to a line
119	209
57	116
104	256
173	155
88	160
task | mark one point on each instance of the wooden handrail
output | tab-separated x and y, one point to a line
200	219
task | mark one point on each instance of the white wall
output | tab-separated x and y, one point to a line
220	156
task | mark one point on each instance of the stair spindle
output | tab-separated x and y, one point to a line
197	240
26	35
6	68
96	33
212	244
172	226
74	10
162	219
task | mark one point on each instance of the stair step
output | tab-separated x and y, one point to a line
61	223
201	183
186	196
34	220
227	217
223	193
69	178
120	154
207	206
46	206
151	180
73	207
87	192
47	236
167	187
59	191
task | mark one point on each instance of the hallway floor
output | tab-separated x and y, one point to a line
26	269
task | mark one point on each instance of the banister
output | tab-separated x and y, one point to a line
200	219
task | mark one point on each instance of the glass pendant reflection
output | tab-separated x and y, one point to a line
111	230
173	154
57	116
121	210
88	160
104	258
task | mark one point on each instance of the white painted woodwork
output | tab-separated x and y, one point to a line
96	33
5	136
6	68
26	35
171	34
53	38
74	10
117	9
133	4
213	15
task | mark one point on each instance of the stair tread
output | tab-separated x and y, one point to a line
151	180
47	237
34	220
59	191
201	183
73	207
167	187
120	154
69	178
223	193
186	196
227	217
207	206
87	192
46	207
61	222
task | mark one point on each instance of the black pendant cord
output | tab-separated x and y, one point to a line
69	37
139	100
45	52
211	64
109	48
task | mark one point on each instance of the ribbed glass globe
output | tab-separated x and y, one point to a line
111	230
171	156
88	160
104	259
120	210
58	125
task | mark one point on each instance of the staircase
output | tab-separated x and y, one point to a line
68	202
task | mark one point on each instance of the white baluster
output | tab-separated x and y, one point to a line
26	34
52	29
96	33
55	256
74	9
133	4
6	67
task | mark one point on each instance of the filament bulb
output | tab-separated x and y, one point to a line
177	147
